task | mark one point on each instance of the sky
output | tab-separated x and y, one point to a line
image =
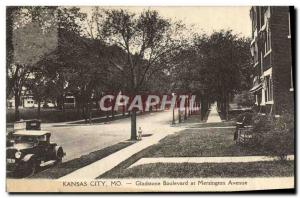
204	19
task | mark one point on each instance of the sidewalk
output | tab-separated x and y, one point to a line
100	167
213	116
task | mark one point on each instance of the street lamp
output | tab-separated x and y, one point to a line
173	120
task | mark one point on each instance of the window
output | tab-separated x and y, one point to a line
70	100
255	53
262	62
259	99
268	42
269	89
263	10
292	83
254	20
289	18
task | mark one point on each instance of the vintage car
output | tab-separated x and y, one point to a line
33	124
30	150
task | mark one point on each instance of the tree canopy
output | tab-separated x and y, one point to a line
66	52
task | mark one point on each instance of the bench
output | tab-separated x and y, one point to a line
243	134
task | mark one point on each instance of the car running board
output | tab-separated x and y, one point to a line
47	163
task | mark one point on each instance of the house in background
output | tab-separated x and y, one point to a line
27	101
271	48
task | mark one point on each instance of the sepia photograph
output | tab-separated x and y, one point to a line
150	98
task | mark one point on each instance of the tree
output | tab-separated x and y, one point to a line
213	67
226	65
147	41
27	43
55	66
38	88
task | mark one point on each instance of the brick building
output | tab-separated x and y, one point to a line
271	48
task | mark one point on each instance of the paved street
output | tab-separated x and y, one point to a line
82	139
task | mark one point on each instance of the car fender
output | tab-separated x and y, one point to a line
28	157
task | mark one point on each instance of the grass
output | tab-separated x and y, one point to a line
49	115
72	165
221	124
52	115
189	170
198	143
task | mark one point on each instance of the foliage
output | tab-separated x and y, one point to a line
274	135
246	117
148	42
146	39
67	52
214	66
29	38
244	99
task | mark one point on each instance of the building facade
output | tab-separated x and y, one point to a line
271	48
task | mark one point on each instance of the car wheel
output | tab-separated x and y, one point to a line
59	155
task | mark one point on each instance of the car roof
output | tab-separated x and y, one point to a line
31	120
31	132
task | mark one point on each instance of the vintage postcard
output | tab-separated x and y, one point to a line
150	99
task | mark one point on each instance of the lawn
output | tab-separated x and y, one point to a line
205	142
50	115
189	170
221	124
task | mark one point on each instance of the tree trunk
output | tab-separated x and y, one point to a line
17	103
133	125
123	110
185	111
227	106
90	113
112	113
189	107
203	108
200	109
77	108
113	109
179	115
86	111
39	109
63	103
107	115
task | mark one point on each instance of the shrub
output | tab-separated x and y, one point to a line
248	115
245	99
274	135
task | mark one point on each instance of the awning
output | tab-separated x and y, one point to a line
256	88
